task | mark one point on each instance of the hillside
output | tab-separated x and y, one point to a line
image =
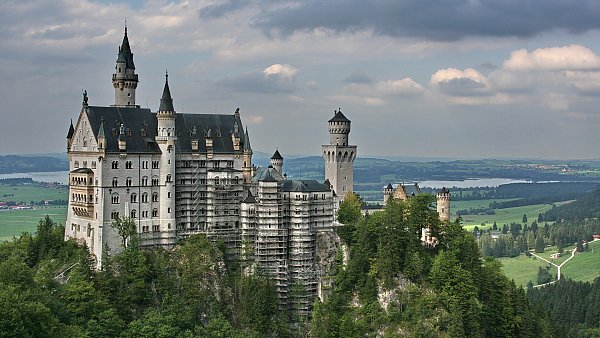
21	164
587	206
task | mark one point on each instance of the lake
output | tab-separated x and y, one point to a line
470	183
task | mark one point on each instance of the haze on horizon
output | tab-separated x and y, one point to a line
460	79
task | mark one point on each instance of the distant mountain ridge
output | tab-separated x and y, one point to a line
10	164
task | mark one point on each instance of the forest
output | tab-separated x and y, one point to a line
386	283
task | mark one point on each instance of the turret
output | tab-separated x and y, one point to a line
247	158
70	135
443	204
125	80
339	156
387	192
277	161
339	129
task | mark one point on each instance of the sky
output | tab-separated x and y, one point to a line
439	78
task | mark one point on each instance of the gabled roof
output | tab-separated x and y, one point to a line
268	174
303	186
277	156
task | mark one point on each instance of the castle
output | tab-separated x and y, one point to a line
179	174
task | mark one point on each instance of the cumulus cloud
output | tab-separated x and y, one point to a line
438	20
456	82
277	78
284	72
571	57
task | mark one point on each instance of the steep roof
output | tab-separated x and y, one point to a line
277	156
339	117
125	53
249	199
220	126
71	130
268	174
166	102
303	186
246	140
139	123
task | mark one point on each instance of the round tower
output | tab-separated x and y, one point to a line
277	161
125	80
339	129
166	140
387	192
339	156
443	204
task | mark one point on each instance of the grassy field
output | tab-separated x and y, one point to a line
14	222
460	205
506	216
27	193
585	266
523	269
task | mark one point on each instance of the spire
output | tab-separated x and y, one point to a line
277	155
125	53
166	102
247	141
71	130
101	129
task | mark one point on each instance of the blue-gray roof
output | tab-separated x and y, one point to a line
303	186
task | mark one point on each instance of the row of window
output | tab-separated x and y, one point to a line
215	164
85	164
134	214
144	181
134	197
129	164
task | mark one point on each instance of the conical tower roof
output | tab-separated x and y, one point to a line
339	117
277	155
166	102
125	54
71	130
247	146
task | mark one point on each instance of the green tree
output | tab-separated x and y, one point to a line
349	214
125	228
524	219
540	245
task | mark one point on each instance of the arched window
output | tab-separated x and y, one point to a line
114	199
145	181
115	182
128	182
154	197
154	212
133	213
169	178
134	198
145	197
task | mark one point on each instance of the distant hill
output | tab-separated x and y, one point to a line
587	206
31	163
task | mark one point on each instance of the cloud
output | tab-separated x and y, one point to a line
456	82
406	86
358	77
439	20
284	72
217	10
277	78
572	57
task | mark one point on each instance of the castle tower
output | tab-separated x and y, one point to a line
443	204
125	80
277	161
339	156
387	192
166	139
247	159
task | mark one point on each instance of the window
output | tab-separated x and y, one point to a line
145	214
133	213
169	178
114	199
93	164
145	181
169	210
145	197
169	194
217	180
215	164
85	164
144	164
155	181
128	165
114	214
134	198
154	212
202	164
76	164
155	197
155	164
115	164
128	182
115	182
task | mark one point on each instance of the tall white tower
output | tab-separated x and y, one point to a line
339	156
166	139
125	80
